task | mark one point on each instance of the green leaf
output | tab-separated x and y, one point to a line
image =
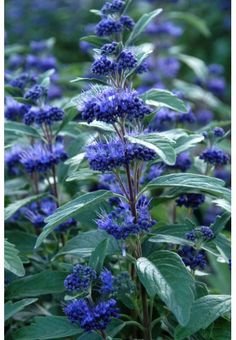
224	204
72	208
15	185
10	309
12	261
47	327
196	93
184	143
192	20
25	241
165	275
220	223
204	311
95	40
21	129
183	182
76	80
80	175
197	65
98	126
12	91
141	25
46	282
161	145
163	98
98	256
85	243
13	207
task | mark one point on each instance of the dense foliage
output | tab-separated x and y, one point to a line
117	174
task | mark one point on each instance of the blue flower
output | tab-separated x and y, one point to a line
111	105
223	174
116	6
109	48
192	257
190	200
80	279
38	46
127	22
204	116
168	66
36	92
216	69
107	27
14	110
218	132
216	86
92	317
12	160
120	223
41	157
202	233
107	281
33	216
215	156
103	66
46	115
126	61
111	155
166	27
183	161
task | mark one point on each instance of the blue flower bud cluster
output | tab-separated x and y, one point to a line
120	223
106	156
41	157
45	115
183	161
111	105
109	48
36	92
115	6
103	66
218	132
200	233
12	160
193	258
215	156
88	314
80	279
126	60
14	110
123	284
190	200
127	22
92	317
36	213
107	27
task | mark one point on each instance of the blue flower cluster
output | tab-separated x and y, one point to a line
166	119
108	26
36	213
165	28
190	200
123	284
109	48
42	157
107	282
111	105
14	110
104	156
45	115
116	6
218	132
193	258
120	223
35	93
215	156
200	233
80	279
12	160
183	161
92	317
126	60
103	66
